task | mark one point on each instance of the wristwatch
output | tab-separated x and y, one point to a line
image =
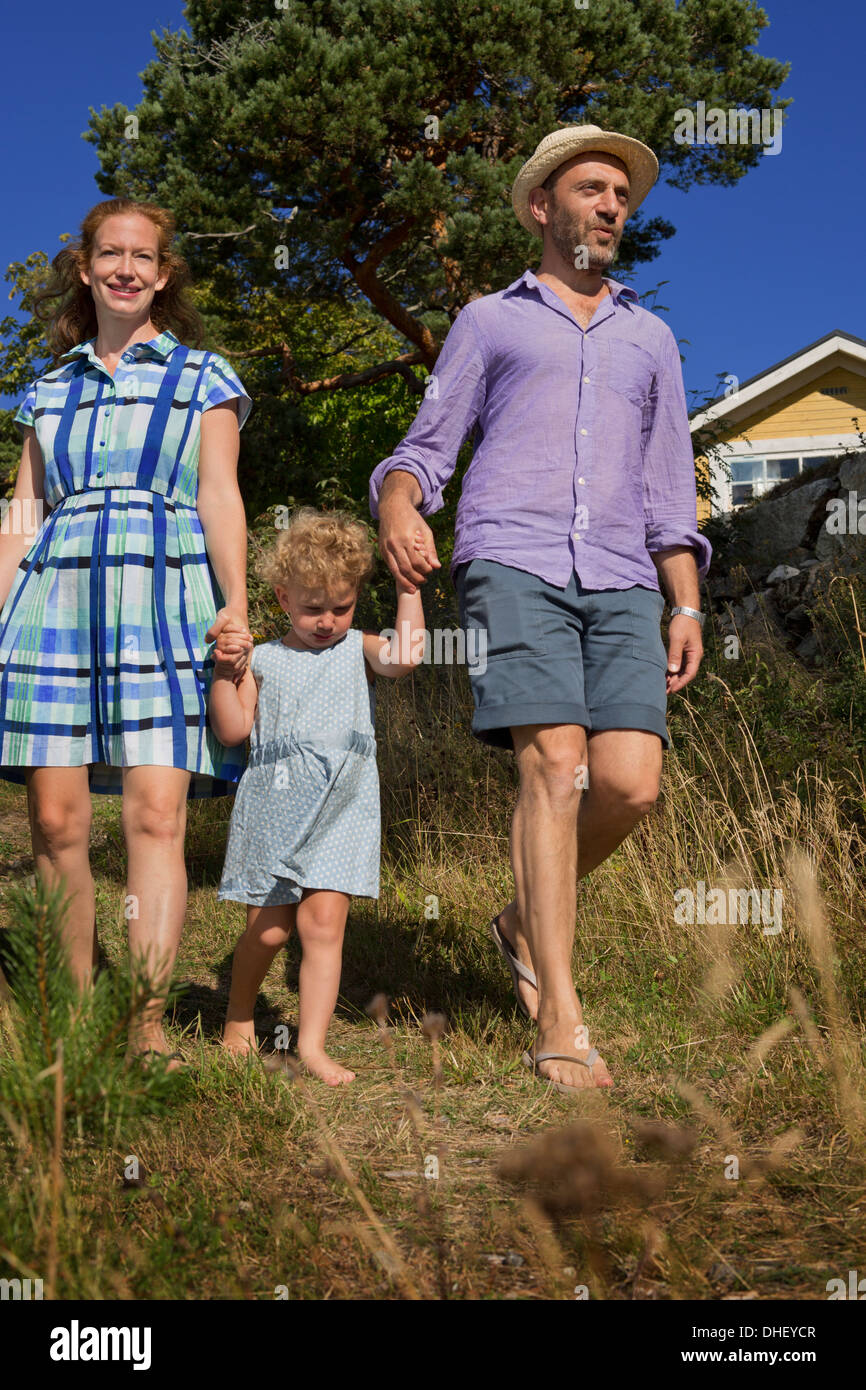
690	613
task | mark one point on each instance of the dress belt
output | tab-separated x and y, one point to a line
145	491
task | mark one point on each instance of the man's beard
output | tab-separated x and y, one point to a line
568	234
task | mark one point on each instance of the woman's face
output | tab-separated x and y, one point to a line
124	272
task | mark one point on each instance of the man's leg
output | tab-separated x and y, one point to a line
544	860
624	768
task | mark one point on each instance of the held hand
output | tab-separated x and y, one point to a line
226	660
234	643
409	562
420	552
685	650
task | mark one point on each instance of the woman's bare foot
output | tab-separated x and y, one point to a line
239	1038
150	1041
325	1068
569	1037
508	922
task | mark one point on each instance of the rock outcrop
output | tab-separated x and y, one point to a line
771	557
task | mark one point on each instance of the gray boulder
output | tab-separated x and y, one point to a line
773	529
780	573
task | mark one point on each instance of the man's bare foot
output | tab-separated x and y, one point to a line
239	1038
508	922
325	1068
572	1039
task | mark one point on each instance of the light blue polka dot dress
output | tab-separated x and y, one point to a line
306	813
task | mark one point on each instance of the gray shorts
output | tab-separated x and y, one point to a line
561	656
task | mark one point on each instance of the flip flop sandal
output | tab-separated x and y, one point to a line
151	1052
519	971
532	1063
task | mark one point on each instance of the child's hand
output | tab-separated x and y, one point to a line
231	654
419	547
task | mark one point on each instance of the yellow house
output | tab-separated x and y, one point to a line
782	422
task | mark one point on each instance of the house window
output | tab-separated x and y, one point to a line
748	480
752	477
813	460
780	469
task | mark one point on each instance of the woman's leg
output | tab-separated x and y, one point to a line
268	930
154	825
321	922
58	801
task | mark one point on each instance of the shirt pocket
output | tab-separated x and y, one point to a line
628	370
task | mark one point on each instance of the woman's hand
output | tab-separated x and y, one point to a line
234	643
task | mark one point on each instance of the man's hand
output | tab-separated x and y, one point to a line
400	526
685	650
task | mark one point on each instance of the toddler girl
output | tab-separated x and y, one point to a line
304	831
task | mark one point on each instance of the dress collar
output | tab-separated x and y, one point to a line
160	347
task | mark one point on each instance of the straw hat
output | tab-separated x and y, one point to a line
571	140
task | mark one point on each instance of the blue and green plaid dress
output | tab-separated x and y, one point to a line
103	659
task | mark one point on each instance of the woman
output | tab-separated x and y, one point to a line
139	560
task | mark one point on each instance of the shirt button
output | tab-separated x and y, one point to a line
577	535
586	379
580	480
584	431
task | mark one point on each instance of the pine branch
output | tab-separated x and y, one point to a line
401	366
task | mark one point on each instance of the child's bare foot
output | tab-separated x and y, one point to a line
239	1038
325	1068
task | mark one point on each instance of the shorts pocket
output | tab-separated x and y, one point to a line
647	606
505	608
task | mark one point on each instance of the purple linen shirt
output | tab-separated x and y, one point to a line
583	458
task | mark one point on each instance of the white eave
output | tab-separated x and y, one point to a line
781	380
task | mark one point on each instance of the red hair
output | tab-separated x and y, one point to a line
66	303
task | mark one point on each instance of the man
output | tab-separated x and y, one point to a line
579	497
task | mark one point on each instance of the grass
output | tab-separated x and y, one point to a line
727	1162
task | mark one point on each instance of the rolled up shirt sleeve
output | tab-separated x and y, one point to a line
453	398
669	488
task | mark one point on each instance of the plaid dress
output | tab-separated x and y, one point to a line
103	659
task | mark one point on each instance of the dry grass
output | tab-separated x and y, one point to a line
728	1160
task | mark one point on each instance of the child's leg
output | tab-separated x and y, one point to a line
321	922
268	930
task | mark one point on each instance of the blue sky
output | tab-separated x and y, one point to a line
755	272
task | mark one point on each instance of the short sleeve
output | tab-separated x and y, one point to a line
223	384
25	415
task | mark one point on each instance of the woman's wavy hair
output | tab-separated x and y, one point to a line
66	305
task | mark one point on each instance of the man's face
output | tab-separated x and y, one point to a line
587	206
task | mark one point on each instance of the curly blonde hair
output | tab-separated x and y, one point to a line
319	550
